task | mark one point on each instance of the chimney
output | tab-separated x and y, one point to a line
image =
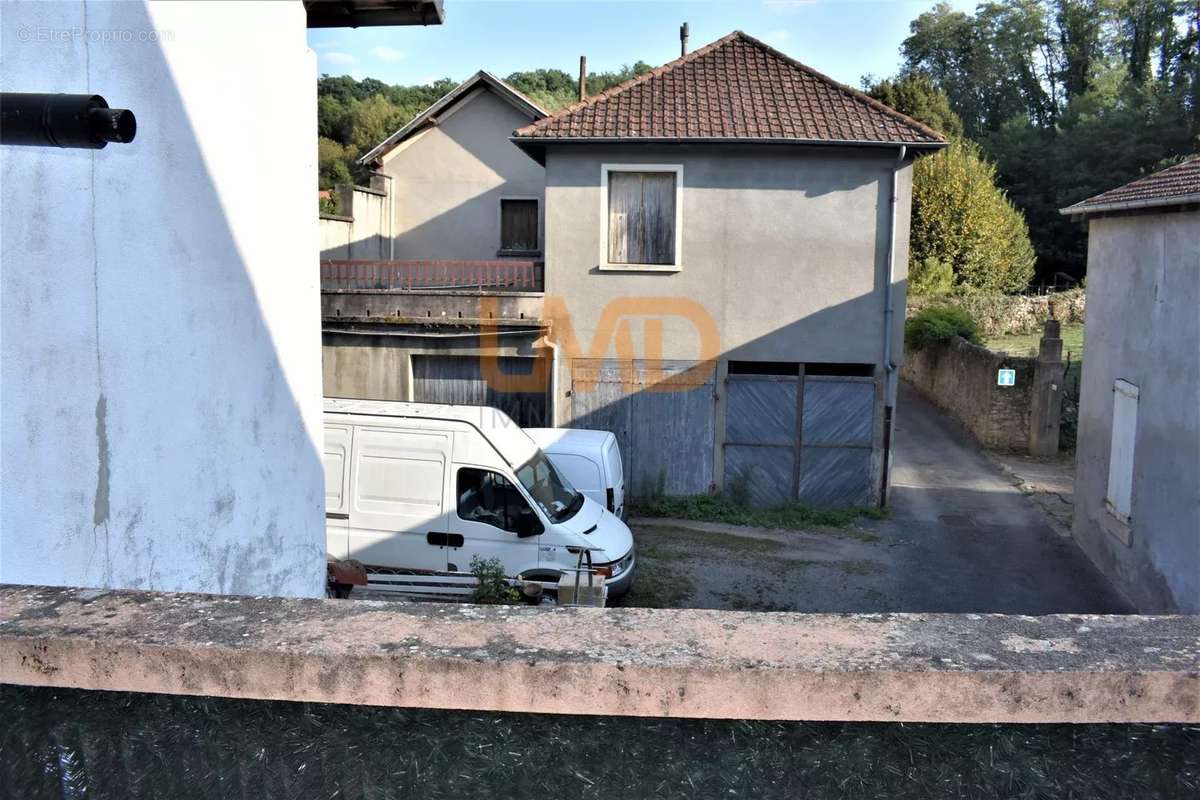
683	37
583	78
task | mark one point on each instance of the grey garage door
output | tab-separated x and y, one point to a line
665	431
796	438
459	380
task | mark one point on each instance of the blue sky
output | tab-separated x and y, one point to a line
842	38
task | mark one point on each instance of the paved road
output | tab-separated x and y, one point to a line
962	539
983	545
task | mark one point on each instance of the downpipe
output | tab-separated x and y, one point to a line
889	315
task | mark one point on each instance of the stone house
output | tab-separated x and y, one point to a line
725	250
1137	480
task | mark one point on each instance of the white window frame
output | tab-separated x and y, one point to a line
604	263
500	223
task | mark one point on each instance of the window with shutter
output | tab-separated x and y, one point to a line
1119	497
642	218
518	226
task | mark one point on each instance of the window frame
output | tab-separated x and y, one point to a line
604	264
501	250
517	488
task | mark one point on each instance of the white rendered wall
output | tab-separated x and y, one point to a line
161	375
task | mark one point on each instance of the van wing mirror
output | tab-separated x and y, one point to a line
528	524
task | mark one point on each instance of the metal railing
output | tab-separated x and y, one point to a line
507	275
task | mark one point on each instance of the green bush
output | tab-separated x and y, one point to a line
493	588
930	276
940	324
961	218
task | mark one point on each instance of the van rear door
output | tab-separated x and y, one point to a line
398	487
616	476
336	460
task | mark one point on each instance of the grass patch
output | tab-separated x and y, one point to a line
659	584
667	543
1023	344
713	508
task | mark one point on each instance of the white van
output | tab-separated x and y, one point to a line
590	460
426	487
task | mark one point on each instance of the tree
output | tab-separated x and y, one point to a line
916	95
333	164
960	218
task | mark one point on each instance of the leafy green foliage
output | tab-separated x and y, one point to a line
930	276
960	217
940	324
919	97
1069	98
493	588
712	508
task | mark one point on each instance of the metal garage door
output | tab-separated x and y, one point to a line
796	437
666	437
459	380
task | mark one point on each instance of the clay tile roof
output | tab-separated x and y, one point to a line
735	88
1176	185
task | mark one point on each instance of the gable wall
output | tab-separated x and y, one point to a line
1143	327
448	181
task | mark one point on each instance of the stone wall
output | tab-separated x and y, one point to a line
1000	314
960	378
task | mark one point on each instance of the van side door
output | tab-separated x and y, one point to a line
398	485
495	520
336	460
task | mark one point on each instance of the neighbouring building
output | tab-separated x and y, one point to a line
459	188
458	211
725	250
161	415
1137	478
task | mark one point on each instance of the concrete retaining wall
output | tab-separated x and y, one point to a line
960	378
362	227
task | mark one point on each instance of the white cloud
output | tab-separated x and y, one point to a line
778	37
385	53
339	59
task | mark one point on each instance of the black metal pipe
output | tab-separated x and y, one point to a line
63	120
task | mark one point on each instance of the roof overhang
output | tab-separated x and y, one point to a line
460	92
1148	206
535	146
373	13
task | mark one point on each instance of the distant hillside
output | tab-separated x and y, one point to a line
354	116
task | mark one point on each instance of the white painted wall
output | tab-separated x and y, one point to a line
160	336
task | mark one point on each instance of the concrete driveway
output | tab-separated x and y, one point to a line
962	539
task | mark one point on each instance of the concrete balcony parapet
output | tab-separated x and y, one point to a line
970	668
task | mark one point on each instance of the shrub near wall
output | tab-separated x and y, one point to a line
1001	314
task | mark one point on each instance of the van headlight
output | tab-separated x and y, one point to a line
619	567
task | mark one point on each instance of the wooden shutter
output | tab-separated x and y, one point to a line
658	209
641	218
1120	456
519	225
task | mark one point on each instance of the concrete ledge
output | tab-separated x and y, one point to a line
636	662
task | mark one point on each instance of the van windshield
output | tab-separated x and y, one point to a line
549	489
